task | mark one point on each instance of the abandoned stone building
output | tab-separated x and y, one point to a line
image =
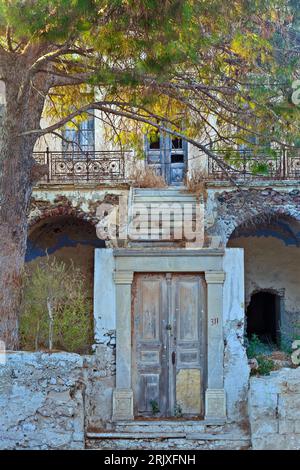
171	313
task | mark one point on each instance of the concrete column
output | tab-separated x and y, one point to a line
123	395
215	401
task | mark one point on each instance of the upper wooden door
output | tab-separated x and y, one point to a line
168	344
168	157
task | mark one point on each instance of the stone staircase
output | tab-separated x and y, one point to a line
170	434
157	215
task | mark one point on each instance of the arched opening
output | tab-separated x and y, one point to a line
272	272
263	317
68	239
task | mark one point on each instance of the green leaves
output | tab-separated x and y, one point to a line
50	282
50	20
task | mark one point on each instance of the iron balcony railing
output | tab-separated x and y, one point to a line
246	164
109	166
82	167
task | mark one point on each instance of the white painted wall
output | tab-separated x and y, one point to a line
104	295
236	369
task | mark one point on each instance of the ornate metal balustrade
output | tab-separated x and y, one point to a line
109	166
82	167
247	165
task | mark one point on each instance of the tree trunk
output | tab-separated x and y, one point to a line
15	192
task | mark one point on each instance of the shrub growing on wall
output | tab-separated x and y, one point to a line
56	313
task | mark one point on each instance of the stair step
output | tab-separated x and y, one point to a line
160	190
164	199
156	223
167	435
136	215
134	435
146	243
170	434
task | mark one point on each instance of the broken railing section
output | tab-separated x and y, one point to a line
82	167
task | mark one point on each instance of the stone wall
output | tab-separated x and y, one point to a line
228	209
274	410
48	400
41	401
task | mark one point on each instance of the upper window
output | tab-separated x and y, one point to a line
80	139
176	143
157	142
154	141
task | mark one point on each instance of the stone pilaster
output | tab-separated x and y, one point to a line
123	395
215	400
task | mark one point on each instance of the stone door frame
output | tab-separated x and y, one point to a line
207	261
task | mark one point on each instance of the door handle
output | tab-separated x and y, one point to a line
173	357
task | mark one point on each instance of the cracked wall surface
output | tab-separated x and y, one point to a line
41	401
47	400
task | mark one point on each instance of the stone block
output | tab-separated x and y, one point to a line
122	404
215	403
263	426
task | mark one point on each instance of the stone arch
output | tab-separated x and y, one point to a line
269	222
45	212
236	208
68	236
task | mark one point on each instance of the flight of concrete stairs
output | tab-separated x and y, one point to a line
158	215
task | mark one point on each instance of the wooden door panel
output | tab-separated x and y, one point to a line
188	300
187	303
149	355
149	393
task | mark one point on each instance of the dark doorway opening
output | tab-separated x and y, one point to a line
263	317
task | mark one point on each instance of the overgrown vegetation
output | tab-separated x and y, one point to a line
146	177
196	183
257	350
154	407
56	310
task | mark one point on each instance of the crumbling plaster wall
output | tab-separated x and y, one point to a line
82	203
236	369
48	400
228	208
42	401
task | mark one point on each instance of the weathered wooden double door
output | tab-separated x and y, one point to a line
168	342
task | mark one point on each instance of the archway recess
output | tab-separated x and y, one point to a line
69	239
272	268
